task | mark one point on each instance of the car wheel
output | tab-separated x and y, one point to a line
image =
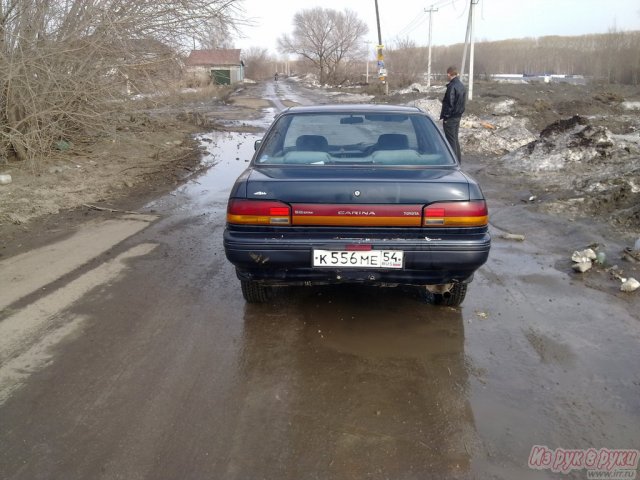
254	292
453	298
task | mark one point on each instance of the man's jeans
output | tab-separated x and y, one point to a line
451	126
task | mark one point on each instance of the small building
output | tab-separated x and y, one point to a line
220	67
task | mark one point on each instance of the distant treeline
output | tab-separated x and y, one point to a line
612	57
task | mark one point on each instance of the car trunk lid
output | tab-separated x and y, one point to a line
357	196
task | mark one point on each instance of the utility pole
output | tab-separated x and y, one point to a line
382	72
471	55
466	43
469	40
367	43
430	11
367	75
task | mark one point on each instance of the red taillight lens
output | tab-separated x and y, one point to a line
456	214
275	211
258	212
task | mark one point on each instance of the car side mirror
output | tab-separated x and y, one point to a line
256	145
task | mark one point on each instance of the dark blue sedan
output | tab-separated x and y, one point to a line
356	194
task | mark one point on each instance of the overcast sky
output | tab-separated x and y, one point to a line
494	19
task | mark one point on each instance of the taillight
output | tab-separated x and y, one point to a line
258	212
456	214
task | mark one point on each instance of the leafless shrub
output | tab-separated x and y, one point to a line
66	66
177	96
406	62
258	63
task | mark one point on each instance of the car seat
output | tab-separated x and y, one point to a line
392	141
312	143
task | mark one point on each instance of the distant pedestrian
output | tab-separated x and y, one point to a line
275	77
452	109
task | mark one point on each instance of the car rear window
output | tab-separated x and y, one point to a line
392	139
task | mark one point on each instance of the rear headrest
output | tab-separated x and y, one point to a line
392	141
312	143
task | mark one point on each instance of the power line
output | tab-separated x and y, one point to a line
411	30
421	18
464	11
412	25
442	3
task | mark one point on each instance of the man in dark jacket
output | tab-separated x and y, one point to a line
452	109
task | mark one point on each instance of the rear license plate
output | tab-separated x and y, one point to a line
358	259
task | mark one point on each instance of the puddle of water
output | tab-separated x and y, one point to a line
225	155
381	323
262	123
281	95
229	153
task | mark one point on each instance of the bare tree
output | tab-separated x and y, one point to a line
219	34
347	42
406	62
258	63
326	38
63	63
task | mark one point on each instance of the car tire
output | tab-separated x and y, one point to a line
453	298
254	292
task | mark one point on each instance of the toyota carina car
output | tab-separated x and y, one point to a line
367	194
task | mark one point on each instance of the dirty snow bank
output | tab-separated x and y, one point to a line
341	97
600	172
496	135
564	144
631	105
418	87
577	165
504	107
430	105
572	144
309	79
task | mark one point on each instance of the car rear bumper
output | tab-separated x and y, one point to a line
283	260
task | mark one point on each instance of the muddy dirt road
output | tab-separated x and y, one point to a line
137	358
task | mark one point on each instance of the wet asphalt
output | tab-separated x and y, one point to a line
172	376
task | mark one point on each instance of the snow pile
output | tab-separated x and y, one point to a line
341	97
310	79
354	98
518	81
629	137
631	105
563	144
505	107
429	105
496	136
599	172
419	88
